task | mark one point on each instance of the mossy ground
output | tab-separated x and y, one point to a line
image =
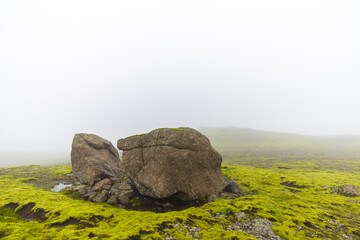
69	218
305	211
285	178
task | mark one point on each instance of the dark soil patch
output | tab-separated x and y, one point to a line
309	225
11	205
2	234
67	222
356	233
335	204
27	213
272	219
292	184
135	237
143	232
164	225
293	190
329	216
96	218
80	224
251	211
161	205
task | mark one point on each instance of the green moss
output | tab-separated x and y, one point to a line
227	211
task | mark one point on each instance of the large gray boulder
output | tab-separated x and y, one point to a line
172	162
94	158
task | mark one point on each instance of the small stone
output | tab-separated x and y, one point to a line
114	192
168	205
102	197
125	197
82	190
92	196
211	198
232	187
239	216
90	193
112	200
98	186
354	201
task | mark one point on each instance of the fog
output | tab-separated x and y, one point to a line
117	68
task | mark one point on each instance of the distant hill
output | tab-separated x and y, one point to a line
232	141
13	159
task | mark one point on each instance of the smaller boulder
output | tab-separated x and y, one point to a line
232	187
349	191
94	158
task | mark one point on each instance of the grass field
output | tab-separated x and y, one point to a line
284	179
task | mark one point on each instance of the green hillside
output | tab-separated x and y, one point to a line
233	141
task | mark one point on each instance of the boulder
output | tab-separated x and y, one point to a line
94	158
179	163
232	187
346	190
349	191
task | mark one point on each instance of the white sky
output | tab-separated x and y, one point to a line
116	68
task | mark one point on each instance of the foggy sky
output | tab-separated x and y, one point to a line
117	68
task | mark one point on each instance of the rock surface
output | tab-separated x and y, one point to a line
94	158
347	190
232	187
172	162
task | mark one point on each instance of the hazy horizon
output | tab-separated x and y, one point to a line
20	157
121	68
